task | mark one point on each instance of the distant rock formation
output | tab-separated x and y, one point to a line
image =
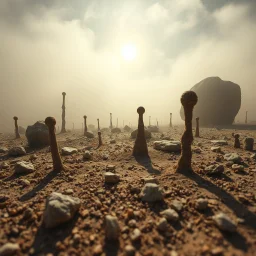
22	130
218	101
37	135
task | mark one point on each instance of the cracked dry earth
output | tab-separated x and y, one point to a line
23	198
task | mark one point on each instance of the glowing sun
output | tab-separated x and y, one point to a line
129	52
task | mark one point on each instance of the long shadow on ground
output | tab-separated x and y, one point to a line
43	183
147	163
46	239
239	209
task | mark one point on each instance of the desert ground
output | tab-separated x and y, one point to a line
197	197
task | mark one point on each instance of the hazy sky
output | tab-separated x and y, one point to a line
51	46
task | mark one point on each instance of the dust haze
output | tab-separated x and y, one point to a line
48	47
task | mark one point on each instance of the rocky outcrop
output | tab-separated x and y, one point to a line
38	135
218	101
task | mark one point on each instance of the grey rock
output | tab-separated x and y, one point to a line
38	135
177	205
111	177
68	151
162	225
234	157
214	169
153	128
116	130
166	145
170	214
216	149
89	135
23	167
59	209
151	193
129	250
238	167
136	235
9	249
219	142
219	102
127	128
224	222
17	151
248	144
3	150
147	134
87	155
201	204
112	228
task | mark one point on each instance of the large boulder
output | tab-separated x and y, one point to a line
135	132
218	101
127	128
116	130
153	128
38	134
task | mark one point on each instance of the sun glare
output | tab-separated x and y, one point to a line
129	52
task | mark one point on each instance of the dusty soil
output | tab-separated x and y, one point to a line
194	234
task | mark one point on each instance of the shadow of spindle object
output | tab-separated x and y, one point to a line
188	101
57	163
17	135
140	147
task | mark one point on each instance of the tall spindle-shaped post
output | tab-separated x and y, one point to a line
85	125
246	117
63	125
98	120
188	100
111	125
140	147
17	134
100	138
149	121
197	128
170	120
57	163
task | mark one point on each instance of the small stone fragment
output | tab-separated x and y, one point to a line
136	235
68	151
17	151
215	169
177	205
151	193
23	167
9	249
162	225
87	155
234	157
111	177
112	228
170	214
129	250
224	222
201	204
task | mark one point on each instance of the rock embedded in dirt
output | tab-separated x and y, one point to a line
201	204
17	151
177	205
59	209
147	134
219	142
151	192
150	180
136	235
112	228
129	250
87	155
237	167
248	144
170	214
68	151
162	224
216	149
111	177
38	135
3	150
169	146
9	249
23	167
224	222
234	157
215	169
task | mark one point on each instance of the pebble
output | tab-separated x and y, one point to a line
177	205
170	214
151	193
136	235
129	250
162	225
112	228
224	222
201	204
23	167
9	249
111	177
